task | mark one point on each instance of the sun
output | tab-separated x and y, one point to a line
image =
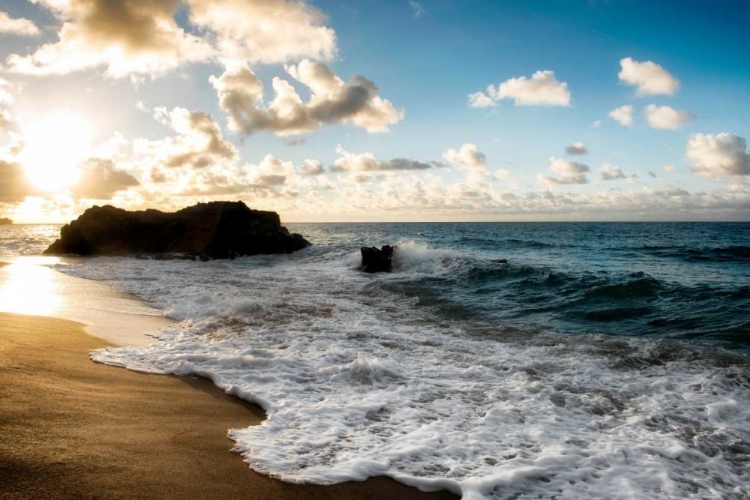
54	148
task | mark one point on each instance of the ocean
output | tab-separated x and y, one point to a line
498	360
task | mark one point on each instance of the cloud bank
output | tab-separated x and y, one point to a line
137	37
366	162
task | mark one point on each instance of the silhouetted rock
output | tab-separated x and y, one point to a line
5	222
216	230
377	260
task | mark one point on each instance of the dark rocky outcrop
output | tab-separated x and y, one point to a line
377	260
5	222
216	230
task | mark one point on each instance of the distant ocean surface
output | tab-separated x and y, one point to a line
498	360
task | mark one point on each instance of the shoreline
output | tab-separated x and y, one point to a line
28	286
80	429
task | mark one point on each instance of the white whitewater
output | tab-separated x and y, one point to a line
358	382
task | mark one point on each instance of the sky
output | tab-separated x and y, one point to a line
377	110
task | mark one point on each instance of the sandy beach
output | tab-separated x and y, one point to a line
76	429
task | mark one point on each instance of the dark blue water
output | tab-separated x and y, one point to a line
677	280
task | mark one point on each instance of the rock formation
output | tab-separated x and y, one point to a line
377	260
216	230
5	222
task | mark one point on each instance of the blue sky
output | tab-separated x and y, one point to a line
426	58
456	48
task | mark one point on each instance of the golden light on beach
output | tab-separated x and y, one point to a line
54	147
28	288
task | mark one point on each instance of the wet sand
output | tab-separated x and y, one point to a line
74	429
28	286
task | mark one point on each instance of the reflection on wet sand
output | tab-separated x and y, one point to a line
28	286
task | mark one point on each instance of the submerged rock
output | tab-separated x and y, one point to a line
5	222
216	230
377	260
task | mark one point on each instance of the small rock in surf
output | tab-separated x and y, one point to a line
377	260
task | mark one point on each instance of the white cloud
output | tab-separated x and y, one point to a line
6	120
239	92
271	178
648	77
418	9
597	124
467	157
577	149
623	115
264	31
364	178
718	156
199	142
140	39
481	100
311	167
569	172
670	169
542	89
129	37
366	162
17	26
501	174
665	117
274	184
272	171
332	101
611	173
6	97
428	198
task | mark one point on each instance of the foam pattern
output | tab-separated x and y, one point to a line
359	380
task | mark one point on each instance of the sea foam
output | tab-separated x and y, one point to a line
360	381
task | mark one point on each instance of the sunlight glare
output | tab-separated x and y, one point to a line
54	147
28	288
